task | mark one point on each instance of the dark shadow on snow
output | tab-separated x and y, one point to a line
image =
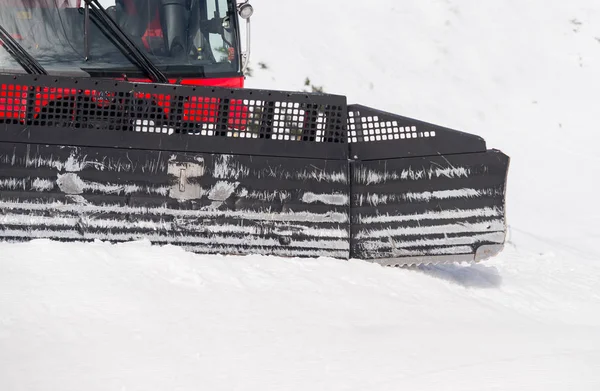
471	276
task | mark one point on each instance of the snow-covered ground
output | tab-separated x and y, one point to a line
522	74
135	317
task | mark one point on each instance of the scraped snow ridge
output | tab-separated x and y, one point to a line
524	75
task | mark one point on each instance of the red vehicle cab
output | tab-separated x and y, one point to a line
189	42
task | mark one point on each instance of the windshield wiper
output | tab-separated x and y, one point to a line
112	30
20	55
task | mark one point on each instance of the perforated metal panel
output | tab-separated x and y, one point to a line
371	127
105	105
13	102
375	134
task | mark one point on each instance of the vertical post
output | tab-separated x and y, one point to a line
86	31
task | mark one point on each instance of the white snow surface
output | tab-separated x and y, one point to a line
524	75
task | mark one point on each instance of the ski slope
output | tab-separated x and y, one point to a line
524	75
136	317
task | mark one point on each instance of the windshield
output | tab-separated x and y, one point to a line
183	38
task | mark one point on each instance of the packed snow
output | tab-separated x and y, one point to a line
524	75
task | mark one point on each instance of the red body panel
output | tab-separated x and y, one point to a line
227	82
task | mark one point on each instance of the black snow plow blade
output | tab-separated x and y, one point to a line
242	172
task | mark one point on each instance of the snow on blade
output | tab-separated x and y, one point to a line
442	194
42	184
171	238
403	252
13	184
159	211
486	226
494	237
383	199
442	215
321	176
226	168
328	199
368	177
72	184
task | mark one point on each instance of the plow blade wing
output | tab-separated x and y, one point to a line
423	193
241	172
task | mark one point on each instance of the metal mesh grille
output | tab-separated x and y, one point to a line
149	108
370	127
13	100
